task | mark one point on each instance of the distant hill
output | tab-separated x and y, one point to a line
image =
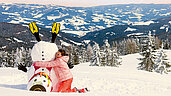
161	27
18	35
82	20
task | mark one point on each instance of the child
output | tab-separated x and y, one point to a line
62	72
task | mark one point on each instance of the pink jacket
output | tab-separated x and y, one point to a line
60	66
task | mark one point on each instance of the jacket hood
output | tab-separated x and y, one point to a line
65	58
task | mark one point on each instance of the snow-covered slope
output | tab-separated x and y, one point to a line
102	81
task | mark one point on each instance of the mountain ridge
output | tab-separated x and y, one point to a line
82	20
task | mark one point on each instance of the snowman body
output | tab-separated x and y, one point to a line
39	78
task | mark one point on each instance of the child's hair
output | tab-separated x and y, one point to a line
63	53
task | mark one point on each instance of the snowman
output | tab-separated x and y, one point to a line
39	78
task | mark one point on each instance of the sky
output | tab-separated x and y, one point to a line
86	3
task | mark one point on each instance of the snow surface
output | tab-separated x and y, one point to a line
137	34
79	33
101	81
130	29
169	22
18	40
143	23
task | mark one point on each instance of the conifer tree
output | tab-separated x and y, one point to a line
162	64
89	52
115	60
95	59
107	53
83	54
166	44
75	55
131	46
149	57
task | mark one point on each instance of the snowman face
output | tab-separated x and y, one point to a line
44	51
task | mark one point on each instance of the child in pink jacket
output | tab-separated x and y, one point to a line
62	72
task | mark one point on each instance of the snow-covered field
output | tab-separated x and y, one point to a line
101	81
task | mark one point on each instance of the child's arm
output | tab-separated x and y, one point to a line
46	63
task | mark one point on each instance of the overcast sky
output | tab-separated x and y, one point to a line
86	3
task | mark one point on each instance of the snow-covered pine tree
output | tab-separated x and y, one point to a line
149	56
131	46
166	44
89	52
24	58
115	60
83	54
107	53
18	56
12	59
95	58
5	59
158	43
162	64
75	55
69	48
122	47
28	60
102	58
1	52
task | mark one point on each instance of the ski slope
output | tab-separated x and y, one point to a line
101	81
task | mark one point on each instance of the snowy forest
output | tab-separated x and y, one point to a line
149	46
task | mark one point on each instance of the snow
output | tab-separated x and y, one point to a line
143	23
52	17
87	41
164	26
167	14
135	34
7	8
169	22
15	22
110	33
38	16
76	42
101	81
130	29
18	40
15	14
3	47
56	17
65	43
44	51
19	20
79	33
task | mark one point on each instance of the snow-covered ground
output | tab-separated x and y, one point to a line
102	81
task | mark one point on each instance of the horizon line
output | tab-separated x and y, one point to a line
86	6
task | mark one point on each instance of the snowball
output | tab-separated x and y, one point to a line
44	51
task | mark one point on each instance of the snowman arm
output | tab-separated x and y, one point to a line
53	63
